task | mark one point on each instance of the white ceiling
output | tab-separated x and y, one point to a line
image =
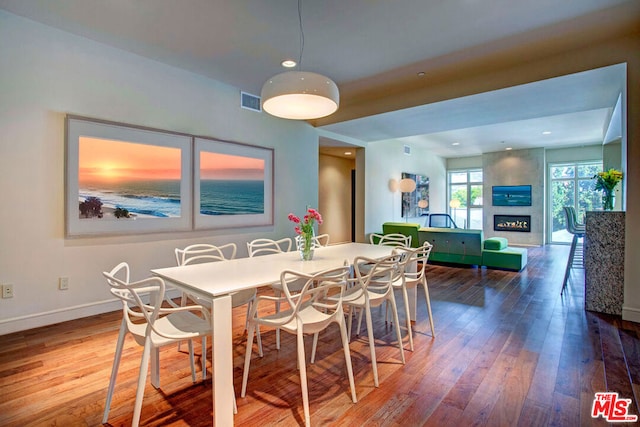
576	109
242	42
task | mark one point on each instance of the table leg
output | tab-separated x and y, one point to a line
412	293
222	361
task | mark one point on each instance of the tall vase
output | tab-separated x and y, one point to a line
306	245
607	199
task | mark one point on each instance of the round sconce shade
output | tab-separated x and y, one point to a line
423	204
454	203
300	95
407	185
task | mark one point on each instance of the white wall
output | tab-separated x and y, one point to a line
334	198
386	160
45	74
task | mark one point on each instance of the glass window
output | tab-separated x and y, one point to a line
571	185
465	198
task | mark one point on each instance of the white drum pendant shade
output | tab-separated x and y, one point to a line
300	95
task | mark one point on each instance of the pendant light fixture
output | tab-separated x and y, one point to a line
300	95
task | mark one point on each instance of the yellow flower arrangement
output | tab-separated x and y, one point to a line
607	180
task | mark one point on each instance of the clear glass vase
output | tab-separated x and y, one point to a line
608	200
306	245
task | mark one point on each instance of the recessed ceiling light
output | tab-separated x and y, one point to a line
289	63
546	132
508	148
347	153
455	143
421	74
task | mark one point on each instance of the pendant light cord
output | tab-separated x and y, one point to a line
301	34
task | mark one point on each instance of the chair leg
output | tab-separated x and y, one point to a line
142	379
155	365
426	294
247	358
359	322
394	309
204	358
405	297
314	347
372	344
192	362
302	365
277	294
114	370
567	271
259	339
347	358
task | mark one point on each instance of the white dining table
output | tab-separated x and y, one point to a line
214	281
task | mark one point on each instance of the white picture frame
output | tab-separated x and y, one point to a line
240	175
115	185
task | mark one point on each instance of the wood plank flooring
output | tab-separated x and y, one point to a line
509	351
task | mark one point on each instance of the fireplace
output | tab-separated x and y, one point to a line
512	223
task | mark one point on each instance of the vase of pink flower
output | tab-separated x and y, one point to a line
305	231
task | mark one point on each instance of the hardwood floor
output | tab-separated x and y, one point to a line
509	351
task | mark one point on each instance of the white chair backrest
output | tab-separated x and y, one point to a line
314	291
318	241
268	246
133	295
393	239
376	275
130	295
203	252
413	255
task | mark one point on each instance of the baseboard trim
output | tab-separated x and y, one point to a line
631	314
37	320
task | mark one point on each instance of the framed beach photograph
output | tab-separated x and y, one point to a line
233	184
123	179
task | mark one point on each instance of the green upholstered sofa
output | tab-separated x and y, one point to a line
406	228
462	246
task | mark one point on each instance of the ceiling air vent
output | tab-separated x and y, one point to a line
407	150
250	102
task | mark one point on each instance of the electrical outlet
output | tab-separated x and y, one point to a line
7	291
63	283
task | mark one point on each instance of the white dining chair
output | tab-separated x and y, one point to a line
413	267
204	252
371	287
152	325
309	312
264	246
